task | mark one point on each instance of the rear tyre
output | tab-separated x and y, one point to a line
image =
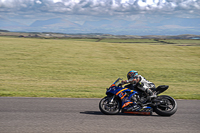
109	108
167	107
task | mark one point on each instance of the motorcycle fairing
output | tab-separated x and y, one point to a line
122	94
127	105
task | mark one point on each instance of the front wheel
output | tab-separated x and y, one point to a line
109	106
167	106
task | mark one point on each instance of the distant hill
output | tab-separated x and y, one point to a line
11	25
4	30
166	26
39	23
184	22
54	22
107	24
53	25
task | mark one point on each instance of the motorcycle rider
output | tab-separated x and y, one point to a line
138	81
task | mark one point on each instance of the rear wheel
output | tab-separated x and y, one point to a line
167	107
108	106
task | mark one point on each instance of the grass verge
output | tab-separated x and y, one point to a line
85	67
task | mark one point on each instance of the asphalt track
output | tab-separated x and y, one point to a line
68	115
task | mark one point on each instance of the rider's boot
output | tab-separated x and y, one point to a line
151	94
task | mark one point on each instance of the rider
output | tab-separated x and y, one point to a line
139	82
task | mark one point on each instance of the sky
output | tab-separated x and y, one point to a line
79	11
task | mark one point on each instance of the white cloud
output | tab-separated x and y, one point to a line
100	7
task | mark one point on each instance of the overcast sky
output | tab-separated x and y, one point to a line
81	10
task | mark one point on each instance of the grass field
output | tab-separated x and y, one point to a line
85	67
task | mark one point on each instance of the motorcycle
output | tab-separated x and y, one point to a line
125	100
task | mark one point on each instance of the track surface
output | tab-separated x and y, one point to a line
66	115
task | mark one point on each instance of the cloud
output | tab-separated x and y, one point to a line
100	7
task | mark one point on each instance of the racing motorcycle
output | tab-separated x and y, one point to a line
125	100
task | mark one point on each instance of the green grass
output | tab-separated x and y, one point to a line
85	67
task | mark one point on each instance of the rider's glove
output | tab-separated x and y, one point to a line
124	82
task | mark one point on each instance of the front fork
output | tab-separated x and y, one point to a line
111	99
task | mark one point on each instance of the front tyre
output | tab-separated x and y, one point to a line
109	106
167	107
